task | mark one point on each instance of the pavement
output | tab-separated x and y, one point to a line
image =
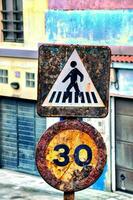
20	186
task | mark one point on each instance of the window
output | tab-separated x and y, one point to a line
30	79
12	19
3	76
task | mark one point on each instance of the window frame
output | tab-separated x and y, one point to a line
12	21
30	80
4	76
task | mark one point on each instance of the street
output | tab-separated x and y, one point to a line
20	186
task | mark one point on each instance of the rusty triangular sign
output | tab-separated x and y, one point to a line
73	87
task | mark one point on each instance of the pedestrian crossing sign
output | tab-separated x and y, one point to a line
73	87
73	80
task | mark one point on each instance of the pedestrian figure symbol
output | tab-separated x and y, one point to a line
73	76
73	87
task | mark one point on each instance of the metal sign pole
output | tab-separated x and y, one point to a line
68	195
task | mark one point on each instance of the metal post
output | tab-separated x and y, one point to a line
112	122
68	195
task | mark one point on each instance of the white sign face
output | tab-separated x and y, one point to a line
73	87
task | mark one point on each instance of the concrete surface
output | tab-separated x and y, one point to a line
20	186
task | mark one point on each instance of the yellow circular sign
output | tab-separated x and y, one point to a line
71	155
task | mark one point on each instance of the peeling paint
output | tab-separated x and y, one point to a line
90	4
90	27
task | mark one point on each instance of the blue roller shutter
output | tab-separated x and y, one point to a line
20	129
8	133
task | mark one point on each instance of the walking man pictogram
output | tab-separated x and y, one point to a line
73	75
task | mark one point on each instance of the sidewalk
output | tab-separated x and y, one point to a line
20	186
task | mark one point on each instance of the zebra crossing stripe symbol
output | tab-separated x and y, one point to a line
73	87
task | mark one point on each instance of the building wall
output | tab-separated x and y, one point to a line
15	55
33	22
17	69
34	28
96	27
90	4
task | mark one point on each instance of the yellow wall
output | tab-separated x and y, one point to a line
34	21
14	65
34	33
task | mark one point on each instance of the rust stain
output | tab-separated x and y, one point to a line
72	138
88	87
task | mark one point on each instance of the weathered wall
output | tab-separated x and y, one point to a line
101	27
90	4
34	29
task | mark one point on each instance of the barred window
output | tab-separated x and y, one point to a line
3	76
12	19
30	79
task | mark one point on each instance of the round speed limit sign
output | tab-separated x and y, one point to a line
71	155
